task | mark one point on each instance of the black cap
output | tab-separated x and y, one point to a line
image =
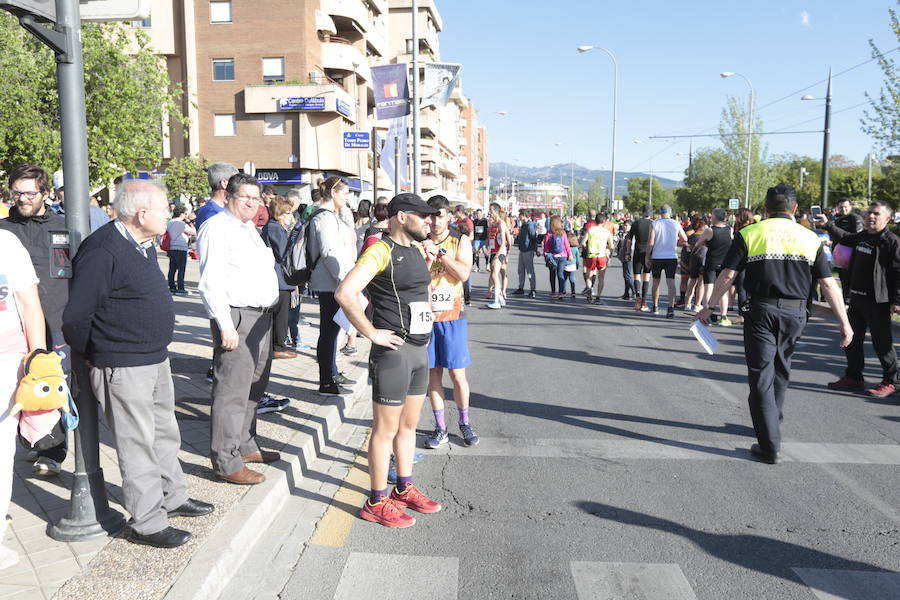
410	203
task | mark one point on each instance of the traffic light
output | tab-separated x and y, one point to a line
43	10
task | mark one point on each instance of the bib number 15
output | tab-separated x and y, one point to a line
421	318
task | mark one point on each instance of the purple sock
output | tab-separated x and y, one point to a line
403	482
463	416
439	421
376	496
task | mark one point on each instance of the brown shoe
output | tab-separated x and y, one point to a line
263	456
284	354
243	477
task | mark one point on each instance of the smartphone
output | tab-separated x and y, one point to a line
814	211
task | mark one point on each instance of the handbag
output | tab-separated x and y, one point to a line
842	255
165	244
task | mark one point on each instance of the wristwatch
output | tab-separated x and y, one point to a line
441	252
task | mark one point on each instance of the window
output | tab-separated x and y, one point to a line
220	11
223	69
274	125
225	125
273	69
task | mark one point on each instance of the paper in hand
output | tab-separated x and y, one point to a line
341	319
705	337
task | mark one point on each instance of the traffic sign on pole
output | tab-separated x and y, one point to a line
43	10
114	10
733	203
357	140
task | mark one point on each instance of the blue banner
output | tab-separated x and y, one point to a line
311	103
391	84
279	176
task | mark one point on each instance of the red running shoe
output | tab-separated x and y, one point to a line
414	499
638	303
388	512
846	383
884	389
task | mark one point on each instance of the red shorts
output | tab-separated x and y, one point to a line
595	263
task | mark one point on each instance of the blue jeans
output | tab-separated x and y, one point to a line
177	266
561	274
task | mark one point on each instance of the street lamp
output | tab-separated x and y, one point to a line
749	134
612	187
826	134
650	195
803	172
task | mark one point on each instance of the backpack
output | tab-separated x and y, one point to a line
556	244
295	264
166	242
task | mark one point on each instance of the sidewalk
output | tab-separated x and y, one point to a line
111	568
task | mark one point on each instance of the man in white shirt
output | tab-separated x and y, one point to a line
665	237
239	290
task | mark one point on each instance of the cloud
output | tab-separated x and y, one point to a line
804	18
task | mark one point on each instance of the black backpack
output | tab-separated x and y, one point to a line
295	265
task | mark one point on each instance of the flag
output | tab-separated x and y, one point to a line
440	79
397	129
391	85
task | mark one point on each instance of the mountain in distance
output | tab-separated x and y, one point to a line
584	177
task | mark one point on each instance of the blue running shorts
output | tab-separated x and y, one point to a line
449	345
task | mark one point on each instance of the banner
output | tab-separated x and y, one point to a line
440	79
391	85
397	129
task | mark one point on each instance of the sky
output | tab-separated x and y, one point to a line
520	57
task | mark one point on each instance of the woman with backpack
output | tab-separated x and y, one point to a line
275	234
556	254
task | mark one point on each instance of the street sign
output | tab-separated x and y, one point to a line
734	203
342	107
357	140
43	10
114	10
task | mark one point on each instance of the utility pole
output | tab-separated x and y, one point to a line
823	199
417	187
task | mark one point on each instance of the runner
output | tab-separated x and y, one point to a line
395	273
499	245
598	244
640	233
717	240
695	290
665	237
448	347
479	243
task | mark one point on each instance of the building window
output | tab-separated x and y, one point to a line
225	125
142	24
223	69
273	69
274	125
220	11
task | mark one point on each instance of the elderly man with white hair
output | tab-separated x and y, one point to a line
121	317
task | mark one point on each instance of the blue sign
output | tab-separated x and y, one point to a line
357	140
279	176
311	103
342	107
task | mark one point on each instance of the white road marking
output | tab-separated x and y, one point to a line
627	581
368	575
833	584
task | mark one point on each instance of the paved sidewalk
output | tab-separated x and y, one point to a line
114	568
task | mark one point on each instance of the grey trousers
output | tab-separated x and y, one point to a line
139	403
526	263
240	379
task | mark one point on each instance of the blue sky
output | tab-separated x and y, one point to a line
521	57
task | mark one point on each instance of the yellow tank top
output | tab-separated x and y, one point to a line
446	290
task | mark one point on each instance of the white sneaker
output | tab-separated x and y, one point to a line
45	466
502	301
8	557
495	305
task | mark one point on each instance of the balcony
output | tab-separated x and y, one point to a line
340	54
321	98
348	9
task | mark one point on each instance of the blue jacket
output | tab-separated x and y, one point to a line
527	241
276	238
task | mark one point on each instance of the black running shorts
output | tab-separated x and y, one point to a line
639	262
398	373
709	275
669	265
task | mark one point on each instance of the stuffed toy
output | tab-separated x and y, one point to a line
43	386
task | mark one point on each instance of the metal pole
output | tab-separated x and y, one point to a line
650	198
871	158
612	188
572	186
89	513
802	173
374	168
823	200
749	146
417	189
397	165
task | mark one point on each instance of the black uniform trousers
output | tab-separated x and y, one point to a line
771	331
864	314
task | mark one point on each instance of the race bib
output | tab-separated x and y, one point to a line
442	298
479	229
421	318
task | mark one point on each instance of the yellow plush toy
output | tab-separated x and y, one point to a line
43	386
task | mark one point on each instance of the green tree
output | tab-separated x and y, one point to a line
733	133
707	184
882	122
639	194
597	193
187	176
785	169
581	208
129	100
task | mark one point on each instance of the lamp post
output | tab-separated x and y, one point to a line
826	135
749	134
417	132
870	158
650	188
803	172
612	187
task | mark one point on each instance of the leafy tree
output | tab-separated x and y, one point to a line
187	176
882	122
733	133
581	208
128	98
706	183
597	193
785	169
639	194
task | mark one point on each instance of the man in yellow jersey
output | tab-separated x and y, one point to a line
448	347
780	259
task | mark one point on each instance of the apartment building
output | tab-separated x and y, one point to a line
274	85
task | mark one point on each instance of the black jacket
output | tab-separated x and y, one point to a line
851	223
886	275
34	233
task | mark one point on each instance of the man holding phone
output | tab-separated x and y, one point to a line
846	220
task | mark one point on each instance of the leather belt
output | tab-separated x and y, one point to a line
259	309
791	302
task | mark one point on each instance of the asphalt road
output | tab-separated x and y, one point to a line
613	464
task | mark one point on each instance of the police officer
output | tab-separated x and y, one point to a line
780	259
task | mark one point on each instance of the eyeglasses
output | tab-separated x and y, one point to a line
30	195
246	197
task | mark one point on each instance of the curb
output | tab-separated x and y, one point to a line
212	566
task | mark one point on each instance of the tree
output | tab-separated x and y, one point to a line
639	194
733	133
883	121
129	100
187	176
581	208
707	184
596	194
785	169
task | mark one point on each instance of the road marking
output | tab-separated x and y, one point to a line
399	577
833	584
336	524
663	448
647	581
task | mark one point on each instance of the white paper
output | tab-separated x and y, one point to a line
343	322
705	337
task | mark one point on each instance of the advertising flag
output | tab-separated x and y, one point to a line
440	79
397	129
391	85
